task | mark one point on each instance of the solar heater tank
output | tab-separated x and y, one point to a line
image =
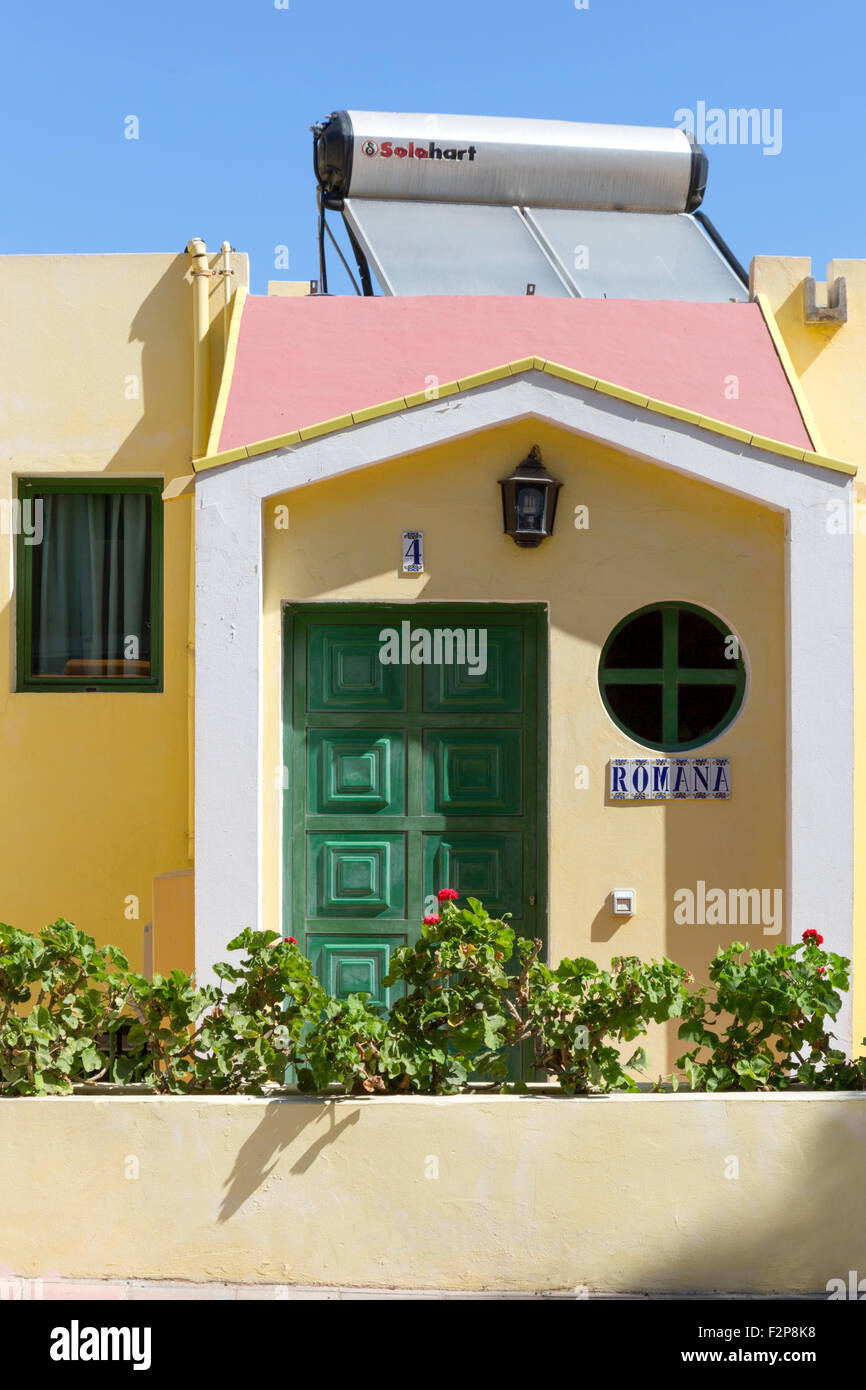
504	161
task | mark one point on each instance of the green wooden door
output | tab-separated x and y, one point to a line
404	779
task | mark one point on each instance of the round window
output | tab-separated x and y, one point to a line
672	676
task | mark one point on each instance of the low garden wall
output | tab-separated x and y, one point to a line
756	1192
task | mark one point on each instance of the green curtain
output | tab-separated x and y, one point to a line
91	579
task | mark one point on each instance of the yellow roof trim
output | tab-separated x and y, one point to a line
375	412
826	461
227	456
707	422
338	422
775	446
609	388
433	393
529	364
467	383
790	371
691	417
569	374
266	446
222	400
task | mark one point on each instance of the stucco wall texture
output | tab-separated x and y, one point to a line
754	1193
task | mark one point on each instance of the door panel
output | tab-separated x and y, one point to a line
405	779
352	875
489	867
358	771
354	965
499	688
473	774
345	672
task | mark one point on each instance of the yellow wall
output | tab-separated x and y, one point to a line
653	535
96	366
830	362
625	1193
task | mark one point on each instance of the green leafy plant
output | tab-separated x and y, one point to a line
160	1045
251	1033
59	997
461	1009
470	994
580	1015
347	1046
837	1074
767	1023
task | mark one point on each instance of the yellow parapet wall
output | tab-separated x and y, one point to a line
97	380
751	1193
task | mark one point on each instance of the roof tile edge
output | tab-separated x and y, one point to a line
509	369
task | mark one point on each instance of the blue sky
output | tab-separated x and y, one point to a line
224	95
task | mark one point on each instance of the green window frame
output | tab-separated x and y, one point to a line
29	490
671	677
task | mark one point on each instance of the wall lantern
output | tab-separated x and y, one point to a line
529	501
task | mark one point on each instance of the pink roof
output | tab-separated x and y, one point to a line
301	361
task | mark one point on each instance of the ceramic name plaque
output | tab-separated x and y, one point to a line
670	779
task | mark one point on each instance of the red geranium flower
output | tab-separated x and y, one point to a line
822	970
431	921
447	895
811	935
292	940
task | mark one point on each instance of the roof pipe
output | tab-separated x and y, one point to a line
201	273
226	272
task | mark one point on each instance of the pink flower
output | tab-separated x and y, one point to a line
447	895
431	921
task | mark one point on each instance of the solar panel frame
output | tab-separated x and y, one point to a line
425	248
421	248
675	258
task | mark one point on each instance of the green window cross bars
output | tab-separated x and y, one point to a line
672	676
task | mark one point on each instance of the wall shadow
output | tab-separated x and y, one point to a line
283	1121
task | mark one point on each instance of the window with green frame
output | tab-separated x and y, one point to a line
672	676
89	584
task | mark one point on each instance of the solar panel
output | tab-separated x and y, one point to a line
420	248
636	255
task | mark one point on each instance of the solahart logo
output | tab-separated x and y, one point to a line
76	1343
388	150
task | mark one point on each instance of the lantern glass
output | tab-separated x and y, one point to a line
530	509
